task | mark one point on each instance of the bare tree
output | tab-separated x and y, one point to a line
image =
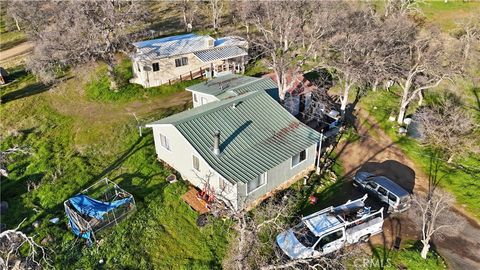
286	40
189	9
434	216
76	32
402	7
448	128
216	9
350	50
12	241
424	66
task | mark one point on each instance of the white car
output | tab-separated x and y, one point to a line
331	229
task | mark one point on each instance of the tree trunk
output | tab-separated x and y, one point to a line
16	23
346	90
425	249
401	114
111	76
420	98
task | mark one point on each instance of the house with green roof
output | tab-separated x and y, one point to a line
228	86
243	147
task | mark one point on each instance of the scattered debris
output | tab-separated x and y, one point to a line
36	224
202	220
54	220
172	178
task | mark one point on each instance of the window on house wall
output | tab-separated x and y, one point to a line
196	163
224	185
195	97
257	182
164	141
298	158
156	66
204	101
181	62
138	67
210	42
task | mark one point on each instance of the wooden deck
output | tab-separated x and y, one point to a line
197	204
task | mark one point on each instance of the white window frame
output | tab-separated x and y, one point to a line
195	98
167	142
203	100
255	189
153	69
193	165
291	159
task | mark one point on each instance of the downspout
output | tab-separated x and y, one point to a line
317	165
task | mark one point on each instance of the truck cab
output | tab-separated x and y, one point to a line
331	229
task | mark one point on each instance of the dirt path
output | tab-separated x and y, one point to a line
376	152
22	48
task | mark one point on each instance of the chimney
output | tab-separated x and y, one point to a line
216	142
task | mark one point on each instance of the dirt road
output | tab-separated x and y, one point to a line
376	152
20	49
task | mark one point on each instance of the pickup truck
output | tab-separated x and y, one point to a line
330	229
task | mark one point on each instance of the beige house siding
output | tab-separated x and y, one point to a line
180	157
200	99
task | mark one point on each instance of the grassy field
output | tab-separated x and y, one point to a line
447	15
463	184
406	258
74	141
9	35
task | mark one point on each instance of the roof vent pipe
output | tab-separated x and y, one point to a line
234	105
216	142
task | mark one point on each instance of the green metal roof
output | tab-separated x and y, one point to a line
255	136
232	85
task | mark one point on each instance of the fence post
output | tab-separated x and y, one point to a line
169	82
181	78
191	75
201	72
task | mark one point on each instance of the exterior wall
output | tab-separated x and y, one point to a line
180	158
277	176
202	99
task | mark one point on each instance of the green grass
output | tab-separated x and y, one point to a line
406	258
463	185
256	69
446	15
99	87
162	232
9	36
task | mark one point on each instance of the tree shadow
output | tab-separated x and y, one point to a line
26	91
394	170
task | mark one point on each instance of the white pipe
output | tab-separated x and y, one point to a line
319	152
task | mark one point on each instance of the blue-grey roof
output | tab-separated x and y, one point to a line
232	85
390	186
255	135
188	43
220	53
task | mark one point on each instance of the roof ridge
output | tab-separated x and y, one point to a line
244	84
207	108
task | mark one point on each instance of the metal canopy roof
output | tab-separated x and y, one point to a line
232	85
221	53
256	134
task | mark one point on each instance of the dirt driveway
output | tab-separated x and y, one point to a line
376	152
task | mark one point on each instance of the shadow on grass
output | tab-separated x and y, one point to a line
26	91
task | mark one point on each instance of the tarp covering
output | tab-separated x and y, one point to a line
76	230
94	208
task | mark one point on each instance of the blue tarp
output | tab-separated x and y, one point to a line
93	208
